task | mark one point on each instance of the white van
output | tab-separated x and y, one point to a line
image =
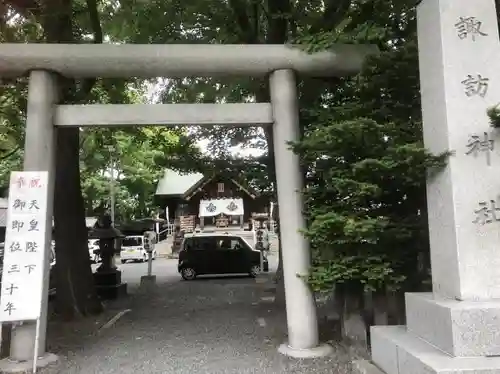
133	249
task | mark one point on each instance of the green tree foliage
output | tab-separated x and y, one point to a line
366	164
137	158
12	98
11	134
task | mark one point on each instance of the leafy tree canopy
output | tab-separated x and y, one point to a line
366	164
362	153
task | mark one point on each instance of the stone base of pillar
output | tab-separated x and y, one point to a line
148	282
365	367
441	336
321	350
11	366
109	285
397	351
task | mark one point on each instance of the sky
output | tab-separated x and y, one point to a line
235	151
153	91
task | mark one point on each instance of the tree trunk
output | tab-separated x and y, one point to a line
76	294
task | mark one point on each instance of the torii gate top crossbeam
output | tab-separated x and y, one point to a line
178	60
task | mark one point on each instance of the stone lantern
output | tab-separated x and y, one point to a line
107	277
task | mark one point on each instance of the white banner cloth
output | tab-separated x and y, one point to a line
229	207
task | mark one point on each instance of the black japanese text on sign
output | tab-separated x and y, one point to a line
24	256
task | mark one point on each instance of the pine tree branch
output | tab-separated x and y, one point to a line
335	11
25	7
5	17
95	21
4	157
247	32
279	11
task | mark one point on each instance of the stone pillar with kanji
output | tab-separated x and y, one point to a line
456	328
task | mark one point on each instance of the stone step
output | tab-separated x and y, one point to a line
397	351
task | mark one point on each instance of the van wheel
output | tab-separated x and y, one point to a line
123	261
188	273
254	271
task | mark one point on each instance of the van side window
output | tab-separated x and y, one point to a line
203	244
187	245
241	244
228	244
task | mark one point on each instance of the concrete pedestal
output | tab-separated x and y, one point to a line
320	350
441	336
22	347
398	351
109	284
148	282
365	367
11	366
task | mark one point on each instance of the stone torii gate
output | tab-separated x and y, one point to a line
44	61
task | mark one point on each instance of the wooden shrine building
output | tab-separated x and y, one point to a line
209	200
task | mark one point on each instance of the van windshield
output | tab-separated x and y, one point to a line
132	241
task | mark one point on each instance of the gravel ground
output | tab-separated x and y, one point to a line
205	326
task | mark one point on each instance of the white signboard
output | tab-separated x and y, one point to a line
22	277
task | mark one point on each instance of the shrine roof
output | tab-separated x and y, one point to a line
174	183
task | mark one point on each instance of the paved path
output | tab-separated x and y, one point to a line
209	326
